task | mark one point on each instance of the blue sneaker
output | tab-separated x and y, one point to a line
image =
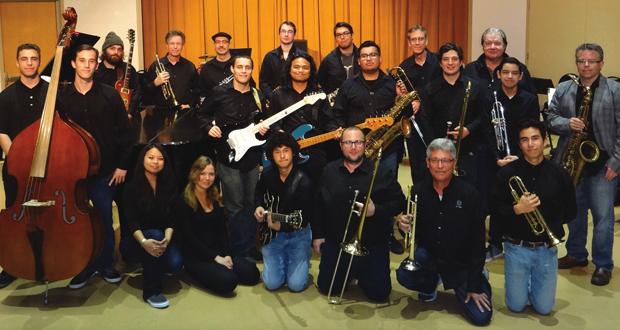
427	297
158	301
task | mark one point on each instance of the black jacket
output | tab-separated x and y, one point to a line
271	71
478	70
332	74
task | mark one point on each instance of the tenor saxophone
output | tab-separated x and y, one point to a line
579	149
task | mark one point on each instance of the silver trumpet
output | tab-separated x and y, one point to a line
409	263
354	245
499	124
166	88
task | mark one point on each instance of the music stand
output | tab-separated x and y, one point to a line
67	72
542	85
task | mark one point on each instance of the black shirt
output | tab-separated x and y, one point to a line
152	212
272	70
109	77
421	75
183	79
451	229
314	114
443	102
295	193
204	234
522	106
359	99
489	81
101	112
332	73
20	106
550	183
214	73
231	110
335	195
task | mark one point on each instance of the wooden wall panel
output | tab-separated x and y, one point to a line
17	25
254	24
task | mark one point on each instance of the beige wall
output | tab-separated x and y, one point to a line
509	15
98	17
557	27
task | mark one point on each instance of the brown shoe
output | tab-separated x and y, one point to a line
601	276
567	262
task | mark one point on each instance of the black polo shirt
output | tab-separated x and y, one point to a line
421	75
451	228
20	106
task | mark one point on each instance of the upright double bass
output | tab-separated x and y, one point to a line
51	233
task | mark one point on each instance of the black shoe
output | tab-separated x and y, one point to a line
80	279
6	279
110	275
395	246
567	262
601	276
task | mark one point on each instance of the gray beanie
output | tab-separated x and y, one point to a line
112	39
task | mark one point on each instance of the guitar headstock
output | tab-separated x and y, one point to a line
375	123
131	35
313	98
295	219
70	16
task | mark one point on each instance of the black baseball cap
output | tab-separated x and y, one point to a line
221	34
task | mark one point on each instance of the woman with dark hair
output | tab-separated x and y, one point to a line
299	81
206	247
149	198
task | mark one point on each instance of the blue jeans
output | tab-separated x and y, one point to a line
530	274
287	259
102	194
238	192
421	278
153	268
596	194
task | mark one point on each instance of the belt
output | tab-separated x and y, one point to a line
527	244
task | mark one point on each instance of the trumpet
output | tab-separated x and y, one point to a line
499	125
354	245
534	219
409	263
166	88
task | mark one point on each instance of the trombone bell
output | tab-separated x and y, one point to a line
354	248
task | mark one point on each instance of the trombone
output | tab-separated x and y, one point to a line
409	263
499	125
534	219
354	246
166	88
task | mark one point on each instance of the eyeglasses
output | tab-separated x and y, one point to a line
343	34
349	144
369	56
287	32
588	62
444	161
493	43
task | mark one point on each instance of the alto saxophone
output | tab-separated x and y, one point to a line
383	137
579	149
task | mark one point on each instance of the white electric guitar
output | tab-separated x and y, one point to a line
241	140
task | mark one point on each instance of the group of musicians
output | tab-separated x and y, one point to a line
475	150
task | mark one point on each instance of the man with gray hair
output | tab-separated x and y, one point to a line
450	237
596	186
494	44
